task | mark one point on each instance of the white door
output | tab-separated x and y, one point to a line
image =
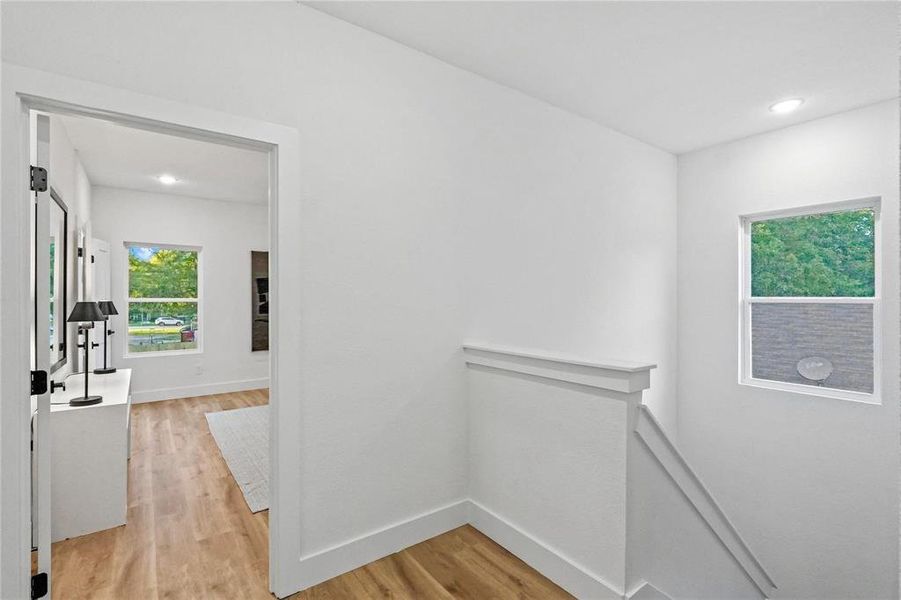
40	404
100	277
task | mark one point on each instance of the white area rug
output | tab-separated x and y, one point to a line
243	438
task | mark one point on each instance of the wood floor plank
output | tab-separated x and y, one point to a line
400	577
442	562
189	533
496	561
338	588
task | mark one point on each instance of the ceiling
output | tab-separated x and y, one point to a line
124	157
678	75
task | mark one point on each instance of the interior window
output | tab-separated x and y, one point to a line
810	300
163	299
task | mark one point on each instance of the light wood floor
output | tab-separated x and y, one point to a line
190	534
462	563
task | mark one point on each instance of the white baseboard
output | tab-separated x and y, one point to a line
337	560
646	591
573	578
325	564
207	389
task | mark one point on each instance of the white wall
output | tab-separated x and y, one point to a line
226	232
383	413
399	150
669	542
413	169
571	243
68	177
811	482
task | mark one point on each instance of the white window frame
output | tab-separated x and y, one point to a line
198	300
747	301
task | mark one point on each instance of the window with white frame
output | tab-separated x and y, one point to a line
163	298
810	300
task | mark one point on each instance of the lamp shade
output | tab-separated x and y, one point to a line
85	312
108	308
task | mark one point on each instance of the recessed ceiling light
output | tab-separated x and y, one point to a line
786	106
167	179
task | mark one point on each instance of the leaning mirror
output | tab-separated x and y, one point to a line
59	251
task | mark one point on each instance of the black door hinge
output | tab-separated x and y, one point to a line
38	382
92	259
38	585
80	252
38	179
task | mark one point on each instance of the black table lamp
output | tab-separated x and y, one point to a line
107	308
86	312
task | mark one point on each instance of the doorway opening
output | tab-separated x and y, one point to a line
167	234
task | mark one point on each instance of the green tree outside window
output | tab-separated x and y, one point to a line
821	255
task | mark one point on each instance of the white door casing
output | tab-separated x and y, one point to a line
23	89
40	516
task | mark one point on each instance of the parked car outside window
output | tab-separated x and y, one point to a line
169	321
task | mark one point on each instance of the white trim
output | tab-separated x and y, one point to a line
646	591
571	576
613	365
206	389
668	456
816	209
22	89
814	390
15	353
161	353
810	300
336	560
746	301
622	377
158	300
42	497
167	246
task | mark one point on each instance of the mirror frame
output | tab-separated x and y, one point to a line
64	280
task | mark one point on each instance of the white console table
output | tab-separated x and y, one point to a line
89	455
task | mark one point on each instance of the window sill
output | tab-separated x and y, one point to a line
810	390
162	353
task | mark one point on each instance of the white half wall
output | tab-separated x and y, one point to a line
573	474
812	482
547	450
550	458
226	232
